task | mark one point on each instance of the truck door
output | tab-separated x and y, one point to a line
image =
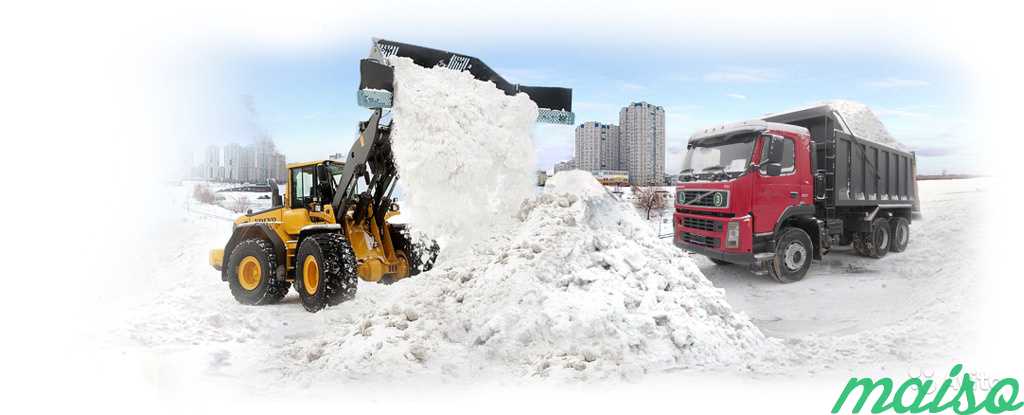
773	194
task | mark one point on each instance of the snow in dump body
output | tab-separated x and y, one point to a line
580	288
463	149
857	119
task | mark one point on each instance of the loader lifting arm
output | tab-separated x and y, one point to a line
370	159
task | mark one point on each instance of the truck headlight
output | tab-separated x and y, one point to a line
732	235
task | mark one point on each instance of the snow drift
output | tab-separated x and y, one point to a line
582	288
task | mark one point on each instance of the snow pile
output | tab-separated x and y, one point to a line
582	288
575	285
463	150
863	123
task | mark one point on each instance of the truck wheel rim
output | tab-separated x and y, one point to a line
795	256
249	273
310	275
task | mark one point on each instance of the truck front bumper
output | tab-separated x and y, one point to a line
743	258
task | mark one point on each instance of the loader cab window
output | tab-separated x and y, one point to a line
788	156
302	186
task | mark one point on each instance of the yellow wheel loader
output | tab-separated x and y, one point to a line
332	226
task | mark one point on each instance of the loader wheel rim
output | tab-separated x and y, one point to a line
310	275
249	273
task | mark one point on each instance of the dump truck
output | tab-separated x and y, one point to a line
333	224
777	192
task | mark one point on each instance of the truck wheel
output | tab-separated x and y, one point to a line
878	239
899	228
325	271
251	273
793	253
719	261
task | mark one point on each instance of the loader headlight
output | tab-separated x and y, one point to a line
732	235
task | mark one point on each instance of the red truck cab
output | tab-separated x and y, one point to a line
772	196
729	199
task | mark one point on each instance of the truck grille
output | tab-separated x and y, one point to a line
704	198
705	241
702	224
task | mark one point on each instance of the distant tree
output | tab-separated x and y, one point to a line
241	204
203	194
648	199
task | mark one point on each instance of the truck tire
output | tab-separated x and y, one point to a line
860	243
719	261
878	239
793	253
251	273
325	271
899	229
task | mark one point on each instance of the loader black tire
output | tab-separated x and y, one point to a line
421	258
254	282
899	229
325	271
793	253
878	239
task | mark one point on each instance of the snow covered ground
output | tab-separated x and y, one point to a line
850	312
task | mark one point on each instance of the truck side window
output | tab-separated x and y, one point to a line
788	156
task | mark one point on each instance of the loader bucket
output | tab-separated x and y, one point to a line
376	79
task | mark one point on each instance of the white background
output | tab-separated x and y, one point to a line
93	96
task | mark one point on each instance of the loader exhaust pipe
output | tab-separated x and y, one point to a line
376	79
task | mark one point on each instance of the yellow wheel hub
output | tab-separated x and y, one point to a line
310	275
249	273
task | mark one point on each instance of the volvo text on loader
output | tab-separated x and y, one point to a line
331	227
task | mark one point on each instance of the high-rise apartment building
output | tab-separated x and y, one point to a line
244	164
642	131
597	146
211	163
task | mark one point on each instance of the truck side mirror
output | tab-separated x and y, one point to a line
773	169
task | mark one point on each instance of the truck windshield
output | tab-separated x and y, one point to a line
714	159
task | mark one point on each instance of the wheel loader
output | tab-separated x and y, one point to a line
332	226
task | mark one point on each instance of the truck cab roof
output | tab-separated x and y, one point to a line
725	131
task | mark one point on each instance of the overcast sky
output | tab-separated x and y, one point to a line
305	97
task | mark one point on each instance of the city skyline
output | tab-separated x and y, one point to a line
234	163
307	99
636	145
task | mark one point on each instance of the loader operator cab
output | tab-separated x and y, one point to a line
313	185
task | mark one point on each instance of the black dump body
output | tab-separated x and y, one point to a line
855	172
